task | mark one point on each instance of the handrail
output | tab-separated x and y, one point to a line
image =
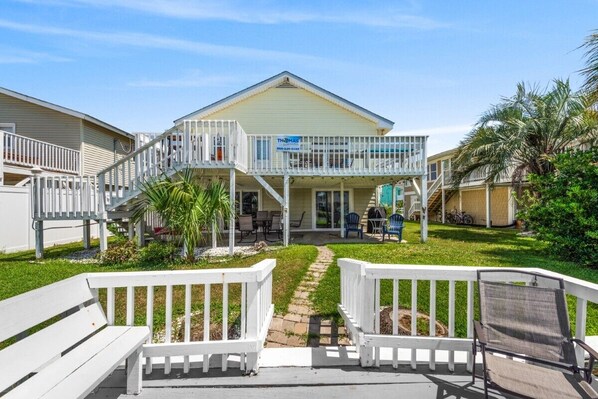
361	309
27	151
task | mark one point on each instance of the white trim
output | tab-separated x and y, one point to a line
64	110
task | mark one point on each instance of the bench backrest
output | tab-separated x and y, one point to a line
20	313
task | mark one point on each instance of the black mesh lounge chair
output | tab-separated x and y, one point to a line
246	227
525	339
395	226
352	223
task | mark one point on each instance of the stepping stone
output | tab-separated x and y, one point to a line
292	317
276	324
288	326
301	328
277	337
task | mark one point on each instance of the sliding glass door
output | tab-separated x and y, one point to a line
328	208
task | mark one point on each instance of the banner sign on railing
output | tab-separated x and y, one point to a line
288	143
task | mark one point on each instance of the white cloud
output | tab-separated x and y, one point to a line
143	40
263	12
10	55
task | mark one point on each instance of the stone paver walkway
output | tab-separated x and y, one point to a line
301	326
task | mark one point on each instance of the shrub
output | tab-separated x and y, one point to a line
564	211
120	252
158	253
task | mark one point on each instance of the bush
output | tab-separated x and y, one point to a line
158	253
120	252
564	212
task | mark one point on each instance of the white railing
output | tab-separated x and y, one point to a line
246	295
64	197
363	285
24	151
416	206
198	144
339	155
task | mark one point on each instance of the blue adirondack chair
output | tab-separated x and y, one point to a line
352	223
395	226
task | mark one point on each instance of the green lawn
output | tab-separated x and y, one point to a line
449	245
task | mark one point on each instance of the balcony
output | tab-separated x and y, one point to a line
336	155
26	152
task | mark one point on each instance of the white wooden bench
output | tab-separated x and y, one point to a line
70	357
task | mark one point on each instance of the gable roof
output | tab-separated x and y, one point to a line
286	78
65	110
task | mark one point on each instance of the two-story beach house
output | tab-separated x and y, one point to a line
282	144
44	139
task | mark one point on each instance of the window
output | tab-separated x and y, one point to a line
10	128
432	171
328	208
262	149
246	202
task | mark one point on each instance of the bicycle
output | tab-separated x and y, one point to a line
458	217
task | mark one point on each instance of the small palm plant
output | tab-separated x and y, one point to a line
523	133
185	205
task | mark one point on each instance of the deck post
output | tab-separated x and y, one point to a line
86	234
423	220
131	228
214	238
102	216
342	216
39	239
488	207
394	198
231	221
285	212
443	193
140	230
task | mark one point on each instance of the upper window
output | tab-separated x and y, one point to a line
433	171
262	149
8	127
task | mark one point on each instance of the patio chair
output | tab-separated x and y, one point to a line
297	222
525	339
247	227
395	226
352	223
276	226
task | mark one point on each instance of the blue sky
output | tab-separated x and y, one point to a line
430	66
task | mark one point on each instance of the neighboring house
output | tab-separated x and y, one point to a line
490	205
38	137
283	144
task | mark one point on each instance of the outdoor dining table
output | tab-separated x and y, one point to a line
264	223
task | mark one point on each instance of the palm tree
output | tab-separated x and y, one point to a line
523	133
591	69
185	206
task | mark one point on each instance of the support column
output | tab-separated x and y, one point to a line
488	207
342	221
231	220
131	228
1	158
140	228
214	238
394	198
423	221
443	206
86	234
460	200
39	239
285	211
102	215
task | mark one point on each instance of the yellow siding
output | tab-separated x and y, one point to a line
500	206
98	148
294	111
41	123
363	199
